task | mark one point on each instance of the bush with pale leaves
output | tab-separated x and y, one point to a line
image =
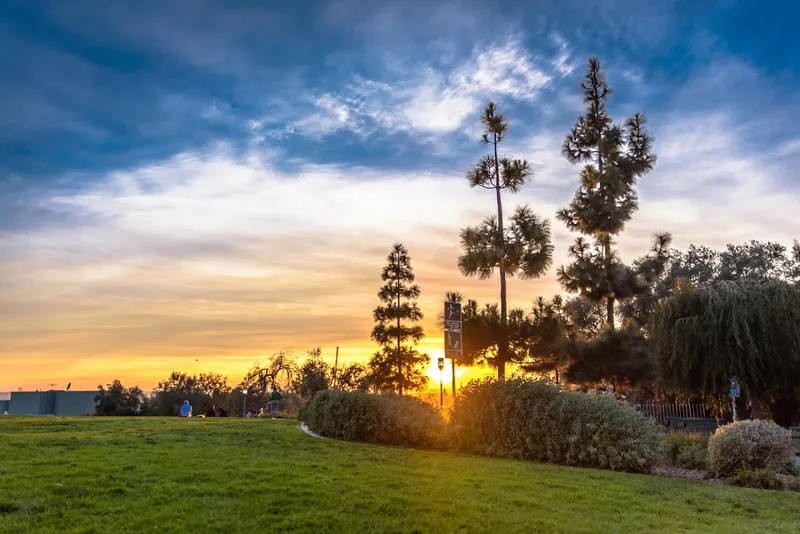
749	445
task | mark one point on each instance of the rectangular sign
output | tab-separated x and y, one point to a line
452	316
452	345
735	390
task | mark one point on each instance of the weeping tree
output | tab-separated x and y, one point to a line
398	366
521	248
614	157
754	261
702	336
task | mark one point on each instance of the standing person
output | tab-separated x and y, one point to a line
274	397
186	409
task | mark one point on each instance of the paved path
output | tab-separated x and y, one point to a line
305	429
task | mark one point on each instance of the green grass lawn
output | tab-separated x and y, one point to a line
229	475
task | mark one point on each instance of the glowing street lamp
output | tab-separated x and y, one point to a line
244	402
441	386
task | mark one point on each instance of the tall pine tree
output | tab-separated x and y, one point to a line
615	157
523	248
398	366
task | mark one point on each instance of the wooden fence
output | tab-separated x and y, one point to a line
662	411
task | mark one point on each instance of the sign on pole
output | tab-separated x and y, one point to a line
735	390
452	316
453	348
452	345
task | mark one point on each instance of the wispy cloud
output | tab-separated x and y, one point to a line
434	100
227	257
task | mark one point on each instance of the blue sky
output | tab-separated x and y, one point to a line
185	178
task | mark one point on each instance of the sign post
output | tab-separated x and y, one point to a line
735	393
441	386
453	348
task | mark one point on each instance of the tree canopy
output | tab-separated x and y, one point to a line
702	336
398	365
523	248
615	156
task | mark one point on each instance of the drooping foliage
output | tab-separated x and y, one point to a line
279	371
704	335
398	365
522	248
699	266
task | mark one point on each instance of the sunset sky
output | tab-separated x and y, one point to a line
193	185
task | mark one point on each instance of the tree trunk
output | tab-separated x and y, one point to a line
755	409
610	298
502	349
399	356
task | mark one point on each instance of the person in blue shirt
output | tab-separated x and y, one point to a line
186	409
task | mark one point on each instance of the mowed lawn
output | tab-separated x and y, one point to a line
233	475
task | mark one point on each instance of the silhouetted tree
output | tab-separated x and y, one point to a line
398	366
170	393
314	375
118	400
523	249
353	377
279	371
615	157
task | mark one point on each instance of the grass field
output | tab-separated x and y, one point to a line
229	475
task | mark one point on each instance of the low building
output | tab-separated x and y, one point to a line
4	400
64	403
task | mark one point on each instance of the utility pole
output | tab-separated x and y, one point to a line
335	367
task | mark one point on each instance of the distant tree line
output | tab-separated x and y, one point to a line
298	382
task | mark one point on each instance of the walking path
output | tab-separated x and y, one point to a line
305	429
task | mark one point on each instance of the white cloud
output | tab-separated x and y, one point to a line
430	100
332	115
562	62
214	256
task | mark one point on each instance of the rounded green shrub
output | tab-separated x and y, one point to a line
533	420
757	479
687	450
749	445
388	418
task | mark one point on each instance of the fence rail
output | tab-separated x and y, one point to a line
663	411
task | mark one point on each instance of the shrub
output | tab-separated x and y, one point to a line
289	406
389	419
533	420
756	478
749	444
687	450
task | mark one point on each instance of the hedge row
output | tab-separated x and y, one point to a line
533	420
389	419
515	419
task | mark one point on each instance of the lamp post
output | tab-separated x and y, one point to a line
244	402
441	386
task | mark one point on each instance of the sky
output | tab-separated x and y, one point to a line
194	185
